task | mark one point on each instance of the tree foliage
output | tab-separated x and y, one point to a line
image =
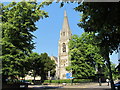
113	69
39	65
12	60
34	63
103	19
18	23
85	55
47	65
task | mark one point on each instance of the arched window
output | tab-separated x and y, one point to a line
64	47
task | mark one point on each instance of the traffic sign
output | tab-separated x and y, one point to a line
68	75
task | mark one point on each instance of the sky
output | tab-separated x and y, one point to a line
48	32
49	29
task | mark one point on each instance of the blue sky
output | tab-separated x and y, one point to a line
49	28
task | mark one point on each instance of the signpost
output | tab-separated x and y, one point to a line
69	76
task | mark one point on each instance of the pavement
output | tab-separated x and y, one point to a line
81	86
89	85
77	86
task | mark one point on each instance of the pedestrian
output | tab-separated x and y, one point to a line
100	84
107	80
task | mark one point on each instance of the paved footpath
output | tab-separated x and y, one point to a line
88	85
81	86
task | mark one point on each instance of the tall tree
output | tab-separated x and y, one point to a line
104	20
18	23
85	55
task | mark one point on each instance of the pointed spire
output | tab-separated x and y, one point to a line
66	32
65	14
65	26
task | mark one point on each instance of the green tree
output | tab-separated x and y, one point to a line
115	75
46	65
34	64
12	60
85	55
18	23
39	65
113	69
104	20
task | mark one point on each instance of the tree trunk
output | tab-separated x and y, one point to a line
110	72
34	78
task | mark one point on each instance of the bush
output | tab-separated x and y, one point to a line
46	81
58	81
64	81
82	80
68	81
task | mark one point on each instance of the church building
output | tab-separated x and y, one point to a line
63	57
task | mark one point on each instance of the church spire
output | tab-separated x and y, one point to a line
65	26
65	14
63	56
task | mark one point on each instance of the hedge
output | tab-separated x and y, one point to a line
68	81
82	80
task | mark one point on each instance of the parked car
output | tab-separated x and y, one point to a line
117	85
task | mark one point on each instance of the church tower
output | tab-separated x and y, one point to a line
63	57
